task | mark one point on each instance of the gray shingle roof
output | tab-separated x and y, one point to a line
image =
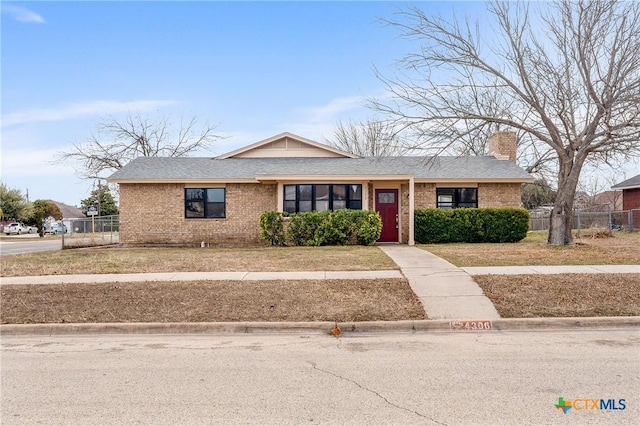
193	168
634	182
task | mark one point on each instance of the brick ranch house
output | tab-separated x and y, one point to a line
219	200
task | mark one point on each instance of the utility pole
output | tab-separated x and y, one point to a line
99	197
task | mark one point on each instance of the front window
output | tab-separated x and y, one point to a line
321	197
451	198
205	203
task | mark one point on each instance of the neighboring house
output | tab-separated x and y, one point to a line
630	193
72	217
602	201
219	200
630	201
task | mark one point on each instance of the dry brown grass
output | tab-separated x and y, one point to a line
210	301
132	260
567	295
621	249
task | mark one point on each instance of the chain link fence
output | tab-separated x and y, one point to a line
91	231
591	218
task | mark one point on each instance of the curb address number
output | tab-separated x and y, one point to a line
471	325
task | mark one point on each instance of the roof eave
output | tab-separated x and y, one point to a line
188	181
620	188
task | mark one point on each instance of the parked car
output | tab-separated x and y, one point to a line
54	228
17	228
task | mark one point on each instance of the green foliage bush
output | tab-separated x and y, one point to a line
342	227
488	225
271	228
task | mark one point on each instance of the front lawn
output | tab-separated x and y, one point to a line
165	259
623	248
566	295
211	301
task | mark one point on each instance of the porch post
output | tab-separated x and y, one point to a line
280	198
411	210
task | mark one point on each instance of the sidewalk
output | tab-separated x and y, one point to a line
446	291
559	269
191	276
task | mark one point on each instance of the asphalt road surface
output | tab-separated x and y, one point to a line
28	245
424	379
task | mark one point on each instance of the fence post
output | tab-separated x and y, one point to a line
579	224
630	220
610	220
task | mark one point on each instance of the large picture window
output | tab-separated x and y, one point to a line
452	198
204	203
321	197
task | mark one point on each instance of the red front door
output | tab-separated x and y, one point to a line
387	206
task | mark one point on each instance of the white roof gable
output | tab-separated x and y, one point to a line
286	145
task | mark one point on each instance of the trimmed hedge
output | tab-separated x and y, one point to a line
487	225
342	227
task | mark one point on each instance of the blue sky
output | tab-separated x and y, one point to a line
254	69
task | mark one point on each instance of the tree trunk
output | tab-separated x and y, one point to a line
562	213
560	223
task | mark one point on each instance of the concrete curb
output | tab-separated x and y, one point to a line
321	327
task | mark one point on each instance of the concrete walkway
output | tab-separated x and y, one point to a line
191	276
559	269
446	291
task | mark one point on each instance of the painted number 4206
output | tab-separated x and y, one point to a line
470	325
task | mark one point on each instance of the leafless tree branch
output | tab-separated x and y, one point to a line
116	142
565	75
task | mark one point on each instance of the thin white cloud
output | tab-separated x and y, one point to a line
315	123
30	163
334	108
79	110
21	14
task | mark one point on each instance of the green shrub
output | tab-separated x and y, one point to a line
271	228
302	229
486	225
507	225
342	227
368	227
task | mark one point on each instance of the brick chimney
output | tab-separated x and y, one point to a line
502	145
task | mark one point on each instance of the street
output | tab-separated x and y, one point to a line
30	244
424	378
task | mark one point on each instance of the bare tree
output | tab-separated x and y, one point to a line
565	75
370	138
116	142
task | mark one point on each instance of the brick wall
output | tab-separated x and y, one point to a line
424	198
154	214
631	199
499	195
